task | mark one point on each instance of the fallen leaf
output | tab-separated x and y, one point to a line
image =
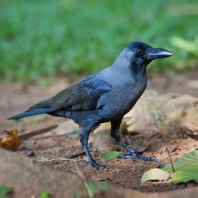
185	176
44	195
44	159
10	140
186	168
110	155
187	162
155	174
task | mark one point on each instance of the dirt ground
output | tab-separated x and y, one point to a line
17	97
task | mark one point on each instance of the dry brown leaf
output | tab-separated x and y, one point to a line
10	140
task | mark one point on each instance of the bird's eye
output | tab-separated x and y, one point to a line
139	52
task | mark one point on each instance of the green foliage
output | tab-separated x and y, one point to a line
4	191
187	162
189	48
93	189
44	195
110	155
185	176
155	174
44	159
76	195
48	37
186	169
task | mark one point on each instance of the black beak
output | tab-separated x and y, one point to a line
155	53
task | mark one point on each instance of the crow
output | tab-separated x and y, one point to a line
105	96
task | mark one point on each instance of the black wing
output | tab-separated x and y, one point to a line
83	95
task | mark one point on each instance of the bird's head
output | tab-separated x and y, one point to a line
139	53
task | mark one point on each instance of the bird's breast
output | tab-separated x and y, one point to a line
121	99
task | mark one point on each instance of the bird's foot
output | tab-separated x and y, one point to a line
96	166
135	155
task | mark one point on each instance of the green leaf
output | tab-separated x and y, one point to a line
186	168
44	159
44	195
186	45
155	174
110	155
187	162
102	186
91	187
4	190
76	195
185	176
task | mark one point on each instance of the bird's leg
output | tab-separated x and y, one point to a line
91	161
130	154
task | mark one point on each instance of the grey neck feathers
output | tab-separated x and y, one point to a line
126	66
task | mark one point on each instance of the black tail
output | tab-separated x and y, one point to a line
31	112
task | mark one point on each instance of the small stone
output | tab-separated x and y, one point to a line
30	153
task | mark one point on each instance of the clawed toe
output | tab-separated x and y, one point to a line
97	166
151	158
137	157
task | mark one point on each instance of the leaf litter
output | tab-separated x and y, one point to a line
183	170
130	171
10	140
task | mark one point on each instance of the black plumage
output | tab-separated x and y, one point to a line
105	96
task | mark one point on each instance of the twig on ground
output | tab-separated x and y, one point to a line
171	162
60	159
84	180
75	155
49	136
37	132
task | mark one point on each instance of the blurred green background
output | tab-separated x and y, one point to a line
51	37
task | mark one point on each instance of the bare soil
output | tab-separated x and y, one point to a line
17	97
